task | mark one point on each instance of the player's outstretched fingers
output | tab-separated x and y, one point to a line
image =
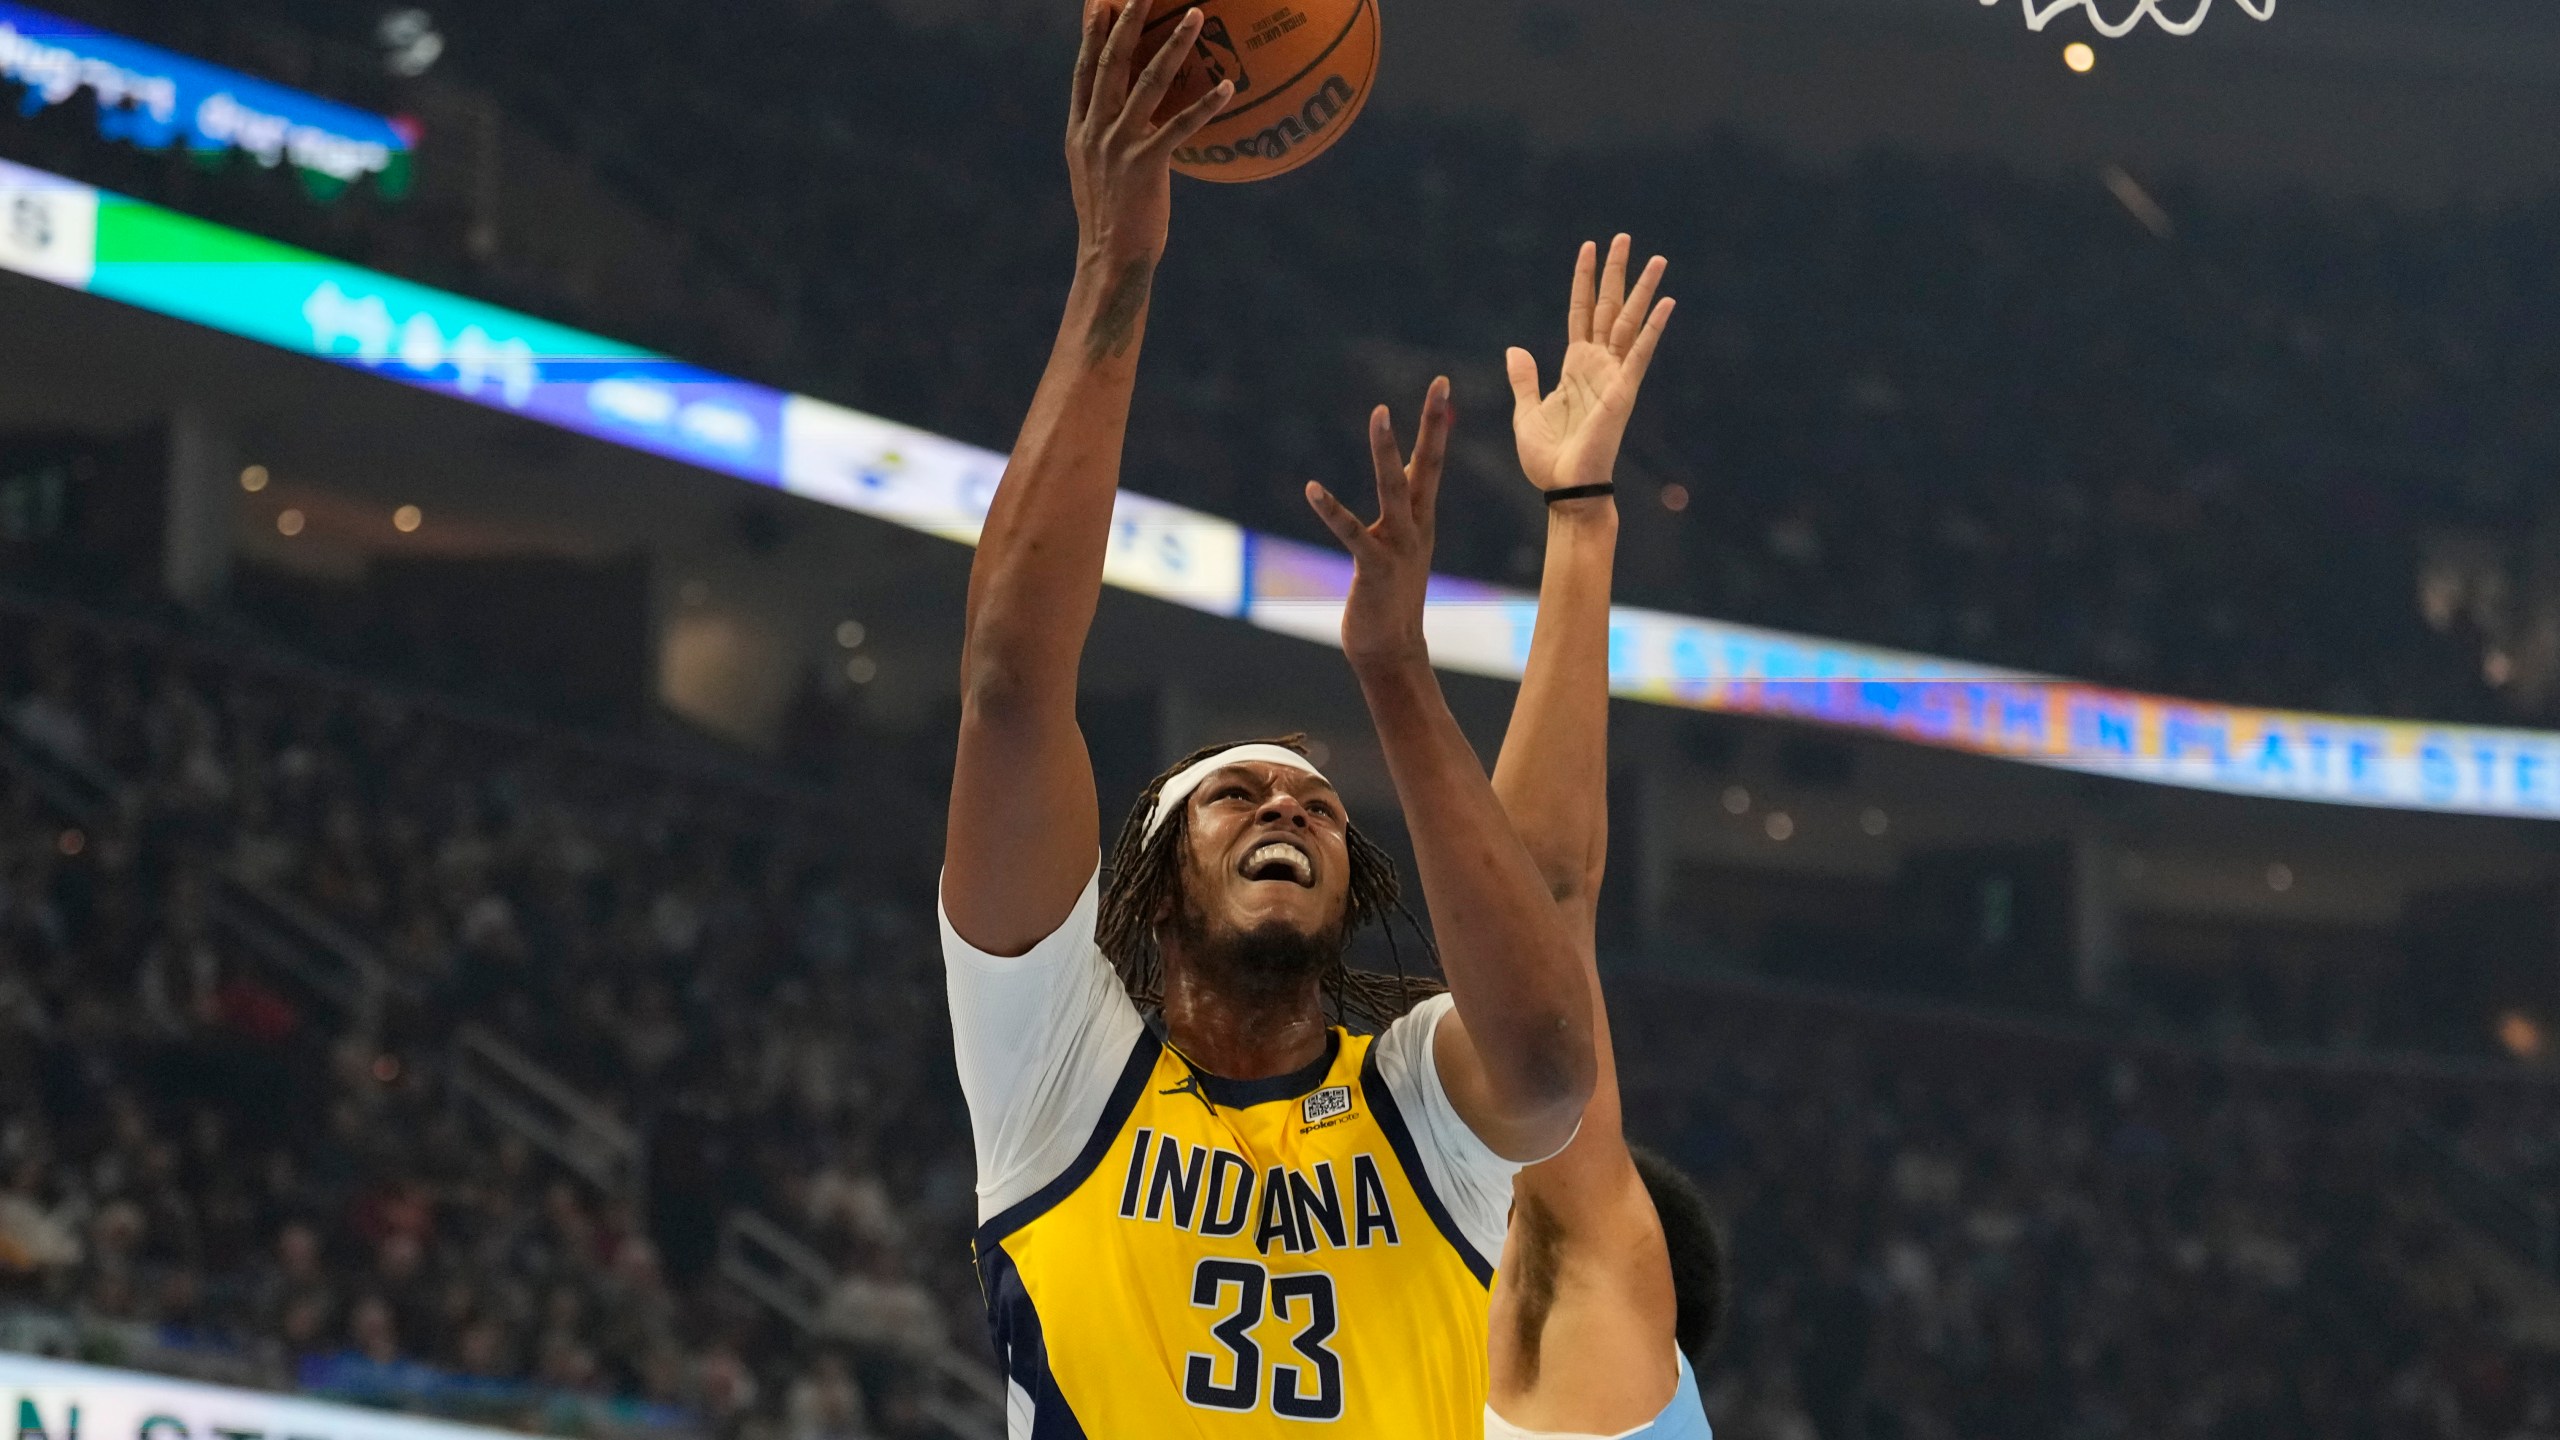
1119	57
1148	94
1639	307
1522	367
1431	450
1586	276
1394	489
1640	354
1080	98
1194	117
1613	290
1346	527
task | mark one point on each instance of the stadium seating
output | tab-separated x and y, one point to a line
292	1177
1952	1226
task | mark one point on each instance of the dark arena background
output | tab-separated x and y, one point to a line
2085	893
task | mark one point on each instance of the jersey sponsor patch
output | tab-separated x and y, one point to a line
1327	1103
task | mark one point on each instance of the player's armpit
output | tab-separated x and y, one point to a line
1582	1325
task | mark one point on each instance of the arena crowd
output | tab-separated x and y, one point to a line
1944	1224
200	1143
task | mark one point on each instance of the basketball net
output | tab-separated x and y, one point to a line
2040	13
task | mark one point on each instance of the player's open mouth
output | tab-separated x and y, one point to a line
1279	860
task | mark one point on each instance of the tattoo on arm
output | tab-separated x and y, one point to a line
1117	326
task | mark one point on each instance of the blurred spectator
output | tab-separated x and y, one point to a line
1943	1225
825	1404
197	1149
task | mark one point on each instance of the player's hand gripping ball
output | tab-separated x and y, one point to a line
1302	70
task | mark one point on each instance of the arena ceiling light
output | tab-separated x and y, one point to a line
409	42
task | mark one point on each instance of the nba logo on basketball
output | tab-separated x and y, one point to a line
1215	55
1327	1103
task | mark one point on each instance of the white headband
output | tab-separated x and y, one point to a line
1177	791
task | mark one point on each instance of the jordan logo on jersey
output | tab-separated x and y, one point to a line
1217	1193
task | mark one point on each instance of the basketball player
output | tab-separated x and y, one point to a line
1612	1277
1210	1207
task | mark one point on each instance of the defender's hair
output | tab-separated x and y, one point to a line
1700	1275
1142	883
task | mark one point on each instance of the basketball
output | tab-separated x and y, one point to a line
1302	70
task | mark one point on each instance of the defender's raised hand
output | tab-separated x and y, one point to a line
1569	437
1119	160
1391	557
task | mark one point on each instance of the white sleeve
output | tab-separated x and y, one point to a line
1472	1181
1040	1038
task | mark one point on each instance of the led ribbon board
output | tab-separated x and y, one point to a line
156	98
104	244
158	260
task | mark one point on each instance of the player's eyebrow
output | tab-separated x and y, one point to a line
1225	773
1289	780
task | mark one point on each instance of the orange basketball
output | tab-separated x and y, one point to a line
1303	69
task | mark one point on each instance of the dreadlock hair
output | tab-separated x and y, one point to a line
1143	882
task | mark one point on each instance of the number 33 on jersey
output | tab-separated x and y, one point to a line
1232	1259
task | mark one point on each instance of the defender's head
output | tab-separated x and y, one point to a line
1243	861
1698	1272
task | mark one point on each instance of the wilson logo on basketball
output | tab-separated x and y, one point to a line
1280	137
1302	71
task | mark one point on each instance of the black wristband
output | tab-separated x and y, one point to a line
1580	492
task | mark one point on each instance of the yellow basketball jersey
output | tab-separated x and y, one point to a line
1234	1259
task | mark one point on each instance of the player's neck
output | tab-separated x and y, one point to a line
1242	1031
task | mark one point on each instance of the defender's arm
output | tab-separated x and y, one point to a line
1578	1336
1024	825
1553	773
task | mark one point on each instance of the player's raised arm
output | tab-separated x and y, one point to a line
1516	1056
1583	1329
1024	826
1553	773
